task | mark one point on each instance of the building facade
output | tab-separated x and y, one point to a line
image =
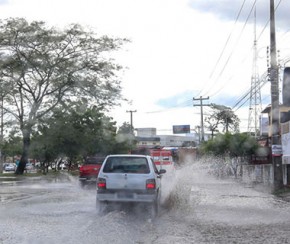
147	137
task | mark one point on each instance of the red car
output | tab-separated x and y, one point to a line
163	159
89	171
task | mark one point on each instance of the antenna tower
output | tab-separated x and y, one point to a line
255	106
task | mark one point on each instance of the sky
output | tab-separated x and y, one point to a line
179	50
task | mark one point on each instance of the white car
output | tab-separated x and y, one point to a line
131	179
10	167
29	166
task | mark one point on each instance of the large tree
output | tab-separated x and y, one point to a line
222	118
42	68
75	133
126	140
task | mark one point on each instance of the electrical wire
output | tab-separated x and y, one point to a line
245	96
268	21
225	45
236	43
249	97
249	91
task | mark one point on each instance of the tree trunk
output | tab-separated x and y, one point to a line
25	152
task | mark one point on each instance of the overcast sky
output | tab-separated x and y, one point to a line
179	50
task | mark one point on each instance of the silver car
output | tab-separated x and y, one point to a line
129	178
10	167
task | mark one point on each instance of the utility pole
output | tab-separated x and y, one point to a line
2	134
201	114
198	131
131	118
275	111
131	129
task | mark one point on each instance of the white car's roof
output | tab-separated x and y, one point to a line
127	155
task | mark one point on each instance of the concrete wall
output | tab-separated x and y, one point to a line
262	173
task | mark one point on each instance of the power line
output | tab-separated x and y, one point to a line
225	45
268	21
237	41
220	74
241	99
257	39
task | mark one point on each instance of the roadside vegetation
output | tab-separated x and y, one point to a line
49	74
229	151
57	88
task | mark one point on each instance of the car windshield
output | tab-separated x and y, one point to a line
94	160
126	165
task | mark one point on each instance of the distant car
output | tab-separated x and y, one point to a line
88	172
130	179
10	167
29	166
163	160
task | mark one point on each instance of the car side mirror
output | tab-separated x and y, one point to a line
162	171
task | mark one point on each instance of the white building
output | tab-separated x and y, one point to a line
147	137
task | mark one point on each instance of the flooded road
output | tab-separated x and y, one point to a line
197	208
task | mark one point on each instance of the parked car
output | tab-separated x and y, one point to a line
89	171
29	166
10	167
130	179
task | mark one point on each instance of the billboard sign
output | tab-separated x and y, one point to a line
181	129
277	150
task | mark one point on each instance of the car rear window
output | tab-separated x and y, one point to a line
138	165
94	160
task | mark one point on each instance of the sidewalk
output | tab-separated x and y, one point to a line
30	177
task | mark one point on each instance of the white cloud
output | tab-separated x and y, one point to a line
174	49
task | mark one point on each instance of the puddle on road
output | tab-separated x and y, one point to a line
198	195
195	207
17	190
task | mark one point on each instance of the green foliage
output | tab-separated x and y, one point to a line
125	128
12	145
233	145
43	68
222	117
125	139
75	133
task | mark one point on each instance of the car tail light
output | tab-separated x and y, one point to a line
101	183
150	184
